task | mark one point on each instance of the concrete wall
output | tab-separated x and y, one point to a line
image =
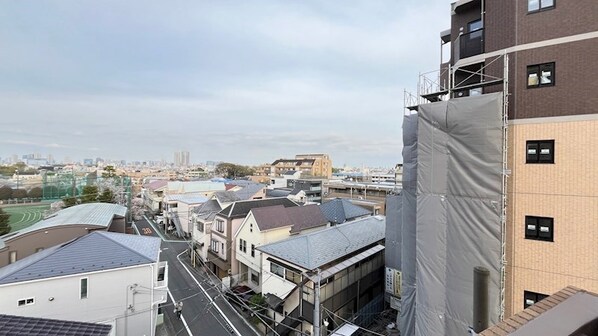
108	296
566	191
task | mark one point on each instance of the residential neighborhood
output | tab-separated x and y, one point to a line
412	168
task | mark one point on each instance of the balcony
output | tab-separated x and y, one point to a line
471	44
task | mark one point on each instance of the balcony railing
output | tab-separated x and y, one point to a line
471	44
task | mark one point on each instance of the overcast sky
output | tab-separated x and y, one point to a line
239	81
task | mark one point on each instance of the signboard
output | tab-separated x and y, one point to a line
392	281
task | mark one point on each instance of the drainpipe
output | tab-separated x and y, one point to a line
481	277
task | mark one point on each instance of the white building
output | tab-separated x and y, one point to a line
178	210
102	277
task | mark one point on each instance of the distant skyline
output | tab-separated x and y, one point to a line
226	80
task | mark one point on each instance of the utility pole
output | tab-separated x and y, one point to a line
317	321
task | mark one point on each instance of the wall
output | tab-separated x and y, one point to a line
107	300
27	244
273	283
566	191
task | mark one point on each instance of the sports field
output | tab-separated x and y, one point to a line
22	216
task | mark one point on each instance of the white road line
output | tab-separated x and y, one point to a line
155	229
209	297
182	317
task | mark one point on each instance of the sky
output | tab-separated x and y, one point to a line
227	80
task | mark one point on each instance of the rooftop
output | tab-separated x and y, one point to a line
340	210
98	214
190	198
11	325
194	186
319	248
95	251
242	208
300	218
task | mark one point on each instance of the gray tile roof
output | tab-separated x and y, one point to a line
242	208
11	325
278	192
208	210
96	251
340	210
319	248
98	214
249	190
226	196
300	218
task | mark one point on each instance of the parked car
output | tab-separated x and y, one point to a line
241	296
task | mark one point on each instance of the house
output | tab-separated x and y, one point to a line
343	263
152	194
570	311
240	190
177	212
34	326
221	253
203	217
340	210
61	227
266	225
309	164
103	277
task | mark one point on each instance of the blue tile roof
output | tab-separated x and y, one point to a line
96	251
340	210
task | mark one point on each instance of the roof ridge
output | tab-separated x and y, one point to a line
107	235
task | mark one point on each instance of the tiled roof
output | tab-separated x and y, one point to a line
306	217
249	190
95	251
98	214
226	196
208	210
156	184
11	325
194	186
242	208
300	218
278	192
319	248
567	312
340	210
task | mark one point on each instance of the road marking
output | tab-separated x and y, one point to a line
208	296
182	317
152	225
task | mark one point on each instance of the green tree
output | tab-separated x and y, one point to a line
107	196
336	170
19	193
4	225
35	192
231	170
89	194
109	171
5	193
258	304
69	201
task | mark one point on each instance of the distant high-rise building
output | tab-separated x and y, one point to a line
181	159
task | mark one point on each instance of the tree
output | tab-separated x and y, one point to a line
109	171
35	192
69	201
231	170
5	193
107	196
336	170
137	210
4	224
19	193
89	194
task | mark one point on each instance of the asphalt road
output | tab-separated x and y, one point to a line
202	315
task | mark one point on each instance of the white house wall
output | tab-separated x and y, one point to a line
108	296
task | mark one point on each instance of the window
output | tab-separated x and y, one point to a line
540	75
292	276
539	151
255	278
537	5
83	288
200	226
277	269
214	245
475	29
530	298
12	257
219	225
252	250
26	302
539	228
243	245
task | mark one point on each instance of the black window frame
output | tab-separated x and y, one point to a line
535	297
540	8
253	250
534	225
537	69
537	156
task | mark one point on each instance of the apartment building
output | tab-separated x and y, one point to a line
309	164
539	55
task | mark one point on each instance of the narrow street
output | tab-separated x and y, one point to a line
202	314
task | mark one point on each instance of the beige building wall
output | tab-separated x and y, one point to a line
566	191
